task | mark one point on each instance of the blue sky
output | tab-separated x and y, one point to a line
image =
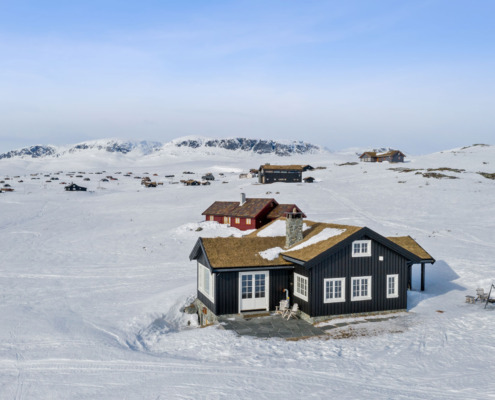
415	75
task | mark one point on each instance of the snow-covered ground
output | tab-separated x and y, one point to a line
92	283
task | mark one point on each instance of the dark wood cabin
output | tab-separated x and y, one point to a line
249	213
190	182
309	179
350	270
73	187
208	177
280	173
390	156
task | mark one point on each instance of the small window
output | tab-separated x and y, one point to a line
361	288
392	286
212	218
225	220
237	220
248	221
361	248
301	286
334	290
206	282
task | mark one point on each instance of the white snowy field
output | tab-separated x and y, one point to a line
91	283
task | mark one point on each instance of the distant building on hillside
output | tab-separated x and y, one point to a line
75	188
280	173
390	156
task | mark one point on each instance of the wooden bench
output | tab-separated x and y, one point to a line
470	299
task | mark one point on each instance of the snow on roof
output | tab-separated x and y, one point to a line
276	228
327	233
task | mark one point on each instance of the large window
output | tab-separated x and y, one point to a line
301	286
361	288
361	248
334	290
206	282
392	286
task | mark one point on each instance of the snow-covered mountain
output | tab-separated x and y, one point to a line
258	146
198	144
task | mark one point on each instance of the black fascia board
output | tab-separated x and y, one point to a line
256	268
197	249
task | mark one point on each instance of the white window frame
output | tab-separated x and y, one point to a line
212	218
237	220
360	296
357	247
395	294
334	300
209	291
300	279
248	221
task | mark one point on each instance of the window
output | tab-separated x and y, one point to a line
206	282
237	220
392	286
334	290
361	288
361	248
248	221
301	286
212	218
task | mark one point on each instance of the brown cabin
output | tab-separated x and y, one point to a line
390	156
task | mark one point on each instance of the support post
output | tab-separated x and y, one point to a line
409	277
422	277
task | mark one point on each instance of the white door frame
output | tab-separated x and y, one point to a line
267	287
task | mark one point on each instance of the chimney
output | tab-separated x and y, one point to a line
243	198
293	228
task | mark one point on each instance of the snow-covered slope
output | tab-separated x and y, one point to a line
92	283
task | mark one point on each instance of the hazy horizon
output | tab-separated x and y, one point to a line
415	76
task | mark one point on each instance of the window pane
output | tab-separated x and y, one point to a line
338	290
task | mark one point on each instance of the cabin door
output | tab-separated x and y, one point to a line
253	290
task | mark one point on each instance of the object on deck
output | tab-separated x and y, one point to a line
470	299
283	307
292	312
481	295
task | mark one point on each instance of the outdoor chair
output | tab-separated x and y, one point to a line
292	312
481	295
282	308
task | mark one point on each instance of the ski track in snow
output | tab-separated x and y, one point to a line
91	285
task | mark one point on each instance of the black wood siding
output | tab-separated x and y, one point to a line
279	280
303	304
227	293
343	265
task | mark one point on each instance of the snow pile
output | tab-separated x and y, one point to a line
271	254
277	228
327	233
210	229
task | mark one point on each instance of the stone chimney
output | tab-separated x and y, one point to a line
243	199
293	228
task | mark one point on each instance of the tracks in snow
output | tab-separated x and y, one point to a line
190	375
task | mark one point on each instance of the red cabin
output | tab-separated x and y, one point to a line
248	213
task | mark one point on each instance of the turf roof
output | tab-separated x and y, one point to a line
408	243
